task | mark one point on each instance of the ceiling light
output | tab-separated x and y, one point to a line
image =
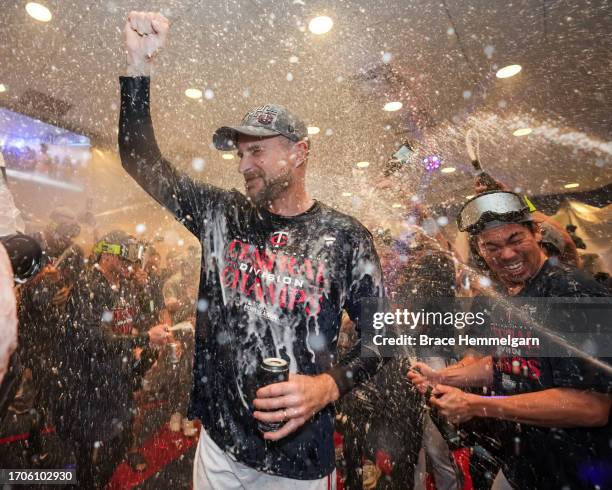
572	185
227	156
522	132
448	170
2	87
313	130
363	164
346	194
320	25
508	71
432	162
393	106
38	11
396	205
193	93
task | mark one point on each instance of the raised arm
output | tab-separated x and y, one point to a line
145	35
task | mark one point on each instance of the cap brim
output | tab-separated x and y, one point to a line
225	138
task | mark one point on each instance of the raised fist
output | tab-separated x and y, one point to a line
145	34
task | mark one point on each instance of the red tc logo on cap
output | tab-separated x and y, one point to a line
265	119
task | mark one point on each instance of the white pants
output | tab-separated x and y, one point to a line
500	482
214	469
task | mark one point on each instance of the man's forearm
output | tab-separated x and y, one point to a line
354	369
136	140
555	407
478	373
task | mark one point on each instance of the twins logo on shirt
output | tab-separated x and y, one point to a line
279	239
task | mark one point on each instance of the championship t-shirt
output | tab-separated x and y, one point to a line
539	457
270	286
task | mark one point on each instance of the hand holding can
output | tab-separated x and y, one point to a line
271	370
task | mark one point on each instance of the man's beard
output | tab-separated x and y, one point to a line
272	188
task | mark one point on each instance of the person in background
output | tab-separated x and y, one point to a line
180	291
428	273
42	319
105	358
555	244
63	262
148	284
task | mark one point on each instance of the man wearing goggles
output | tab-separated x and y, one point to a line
558	408
504	235
105	359
132	251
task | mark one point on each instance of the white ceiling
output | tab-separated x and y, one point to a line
241	50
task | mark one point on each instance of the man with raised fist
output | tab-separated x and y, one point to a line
278	269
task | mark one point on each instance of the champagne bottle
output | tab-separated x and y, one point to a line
453	436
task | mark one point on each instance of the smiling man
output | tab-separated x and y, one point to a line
557	408
278	269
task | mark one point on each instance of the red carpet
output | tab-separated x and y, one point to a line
163	448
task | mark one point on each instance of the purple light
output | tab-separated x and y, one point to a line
432	162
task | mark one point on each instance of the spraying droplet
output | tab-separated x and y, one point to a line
197	164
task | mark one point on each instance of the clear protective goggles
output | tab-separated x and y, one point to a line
133	252
490	208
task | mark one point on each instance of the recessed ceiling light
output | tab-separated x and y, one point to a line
508	71
2	87
313	130
448	170
193	93
347	194
572	185
227	156
363	164
396	205
320	25
522	132
38	11
393	106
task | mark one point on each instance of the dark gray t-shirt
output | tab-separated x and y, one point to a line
269	286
